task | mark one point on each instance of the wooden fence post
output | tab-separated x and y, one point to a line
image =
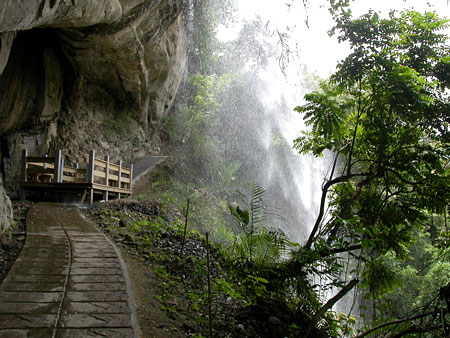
106	192
131	177
77	175
90	167
90	175
119	174
23	173
61	171
57	167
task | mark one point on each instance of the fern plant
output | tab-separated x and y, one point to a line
257	243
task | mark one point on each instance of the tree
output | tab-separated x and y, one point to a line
202	20
385	117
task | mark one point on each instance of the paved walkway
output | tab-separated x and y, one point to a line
69	281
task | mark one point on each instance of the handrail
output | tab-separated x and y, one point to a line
104	172
41	159
98	172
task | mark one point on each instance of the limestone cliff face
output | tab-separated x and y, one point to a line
6	214
80	75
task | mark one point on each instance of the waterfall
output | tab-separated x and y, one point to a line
248	73
282	80
264	61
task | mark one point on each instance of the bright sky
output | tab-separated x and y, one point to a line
317	50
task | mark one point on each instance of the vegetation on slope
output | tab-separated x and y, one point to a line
244	303
383	117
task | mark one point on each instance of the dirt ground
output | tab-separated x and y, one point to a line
153	321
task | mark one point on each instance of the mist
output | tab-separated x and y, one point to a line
235	121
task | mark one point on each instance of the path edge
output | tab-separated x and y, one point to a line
131	301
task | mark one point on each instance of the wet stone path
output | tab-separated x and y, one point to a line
69	281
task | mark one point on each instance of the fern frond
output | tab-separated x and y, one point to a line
258	244
255	193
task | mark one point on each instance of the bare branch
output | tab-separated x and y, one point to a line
325	189
328	305
398	321
416	329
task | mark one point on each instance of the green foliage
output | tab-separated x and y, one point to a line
152	229
256	243
242	216
421	276
250	49
341	324
7	234
139	225
205	127
203	19
256	286
161	272
249	220
384	117
223	286
379	279
436	277
261	248
206	210
326	111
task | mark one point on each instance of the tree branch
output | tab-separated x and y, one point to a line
398	321
333	231
328	305
416	329
404	180
346	249
325	188
355	131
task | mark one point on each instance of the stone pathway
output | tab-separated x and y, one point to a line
69	281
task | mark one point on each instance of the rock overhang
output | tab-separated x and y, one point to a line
64	61
134	49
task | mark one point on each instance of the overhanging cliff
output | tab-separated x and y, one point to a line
73	74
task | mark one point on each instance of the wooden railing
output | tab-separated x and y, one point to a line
104	172
96	174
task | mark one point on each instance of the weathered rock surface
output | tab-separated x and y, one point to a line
134	49
21	15
73	73
6	41
6	214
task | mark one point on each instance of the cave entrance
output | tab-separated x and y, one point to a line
32	83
